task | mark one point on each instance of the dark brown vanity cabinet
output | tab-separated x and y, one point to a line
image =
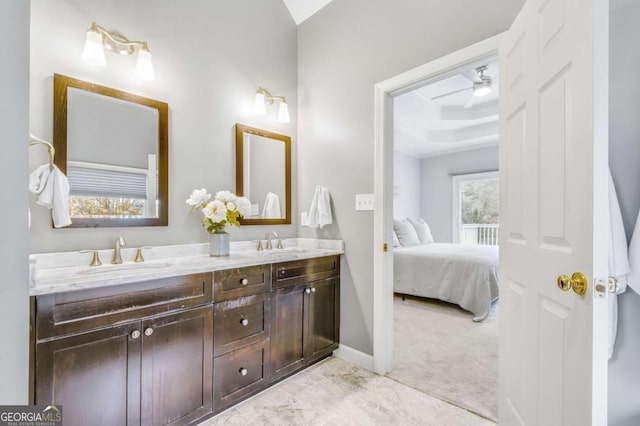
305	313
176	350
151	367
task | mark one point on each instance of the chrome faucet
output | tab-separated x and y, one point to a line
117	257
268	237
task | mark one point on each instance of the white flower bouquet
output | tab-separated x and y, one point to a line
225	209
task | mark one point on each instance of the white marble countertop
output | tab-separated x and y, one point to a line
70	271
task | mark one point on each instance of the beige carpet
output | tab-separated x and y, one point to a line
441	351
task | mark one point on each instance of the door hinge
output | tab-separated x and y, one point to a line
385	248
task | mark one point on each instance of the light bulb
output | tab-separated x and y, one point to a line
283	112
144	66
482	89
93	52
259	107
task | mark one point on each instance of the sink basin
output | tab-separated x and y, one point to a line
122	267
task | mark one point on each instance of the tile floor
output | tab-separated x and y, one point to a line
334	392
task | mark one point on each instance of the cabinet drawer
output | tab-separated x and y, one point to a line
303	271
239	282
240	373
71	312
241	322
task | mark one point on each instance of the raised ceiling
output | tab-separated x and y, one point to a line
432	120
303	9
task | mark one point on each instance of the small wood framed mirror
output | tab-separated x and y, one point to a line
263	175
114	148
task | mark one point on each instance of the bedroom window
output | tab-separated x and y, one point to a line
476	208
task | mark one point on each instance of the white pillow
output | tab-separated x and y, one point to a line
406	233
396	241
423	231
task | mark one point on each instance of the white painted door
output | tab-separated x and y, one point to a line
553	174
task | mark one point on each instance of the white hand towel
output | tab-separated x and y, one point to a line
38	179
618	260
319	213
271	209
53	193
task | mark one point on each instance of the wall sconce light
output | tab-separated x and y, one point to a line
98	38
264	98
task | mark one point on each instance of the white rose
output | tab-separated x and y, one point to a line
216	211
226	196
198	196
230	206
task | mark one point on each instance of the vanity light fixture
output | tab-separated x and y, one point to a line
98	38
264	98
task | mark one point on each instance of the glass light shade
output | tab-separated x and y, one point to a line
283	112
482	89
93	52
144	66
259	107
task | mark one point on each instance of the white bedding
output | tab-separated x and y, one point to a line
466	275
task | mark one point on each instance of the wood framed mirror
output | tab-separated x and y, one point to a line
114	148
263	175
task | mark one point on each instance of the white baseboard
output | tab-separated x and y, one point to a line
355	357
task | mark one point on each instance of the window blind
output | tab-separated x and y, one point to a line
89	182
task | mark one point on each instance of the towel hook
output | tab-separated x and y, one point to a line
33	140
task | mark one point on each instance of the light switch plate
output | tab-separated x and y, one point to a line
364	202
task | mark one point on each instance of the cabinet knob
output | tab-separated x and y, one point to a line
243	371
244	322
313	289
135	334
307	290
244	281
148	331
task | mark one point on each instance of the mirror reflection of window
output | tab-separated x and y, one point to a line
264	174
112	157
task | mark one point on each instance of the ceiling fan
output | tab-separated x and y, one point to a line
481	85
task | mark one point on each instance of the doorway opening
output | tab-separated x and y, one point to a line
387	95
445	254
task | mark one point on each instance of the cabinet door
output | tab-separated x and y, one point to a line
324	306
288	329
94	375
177	362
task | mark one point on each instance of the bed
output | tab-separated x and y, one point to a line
464	274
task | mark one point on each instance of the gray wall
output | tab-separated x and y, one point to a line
343	51
14	244
437	193
624	153
406	186
209	56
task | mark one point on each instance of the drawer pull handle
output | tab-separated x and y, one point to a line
244	281
148	331
244	322
307	290
243	371
135	334
313	289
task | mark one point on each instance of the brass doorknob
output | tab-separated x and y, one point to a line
578	282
